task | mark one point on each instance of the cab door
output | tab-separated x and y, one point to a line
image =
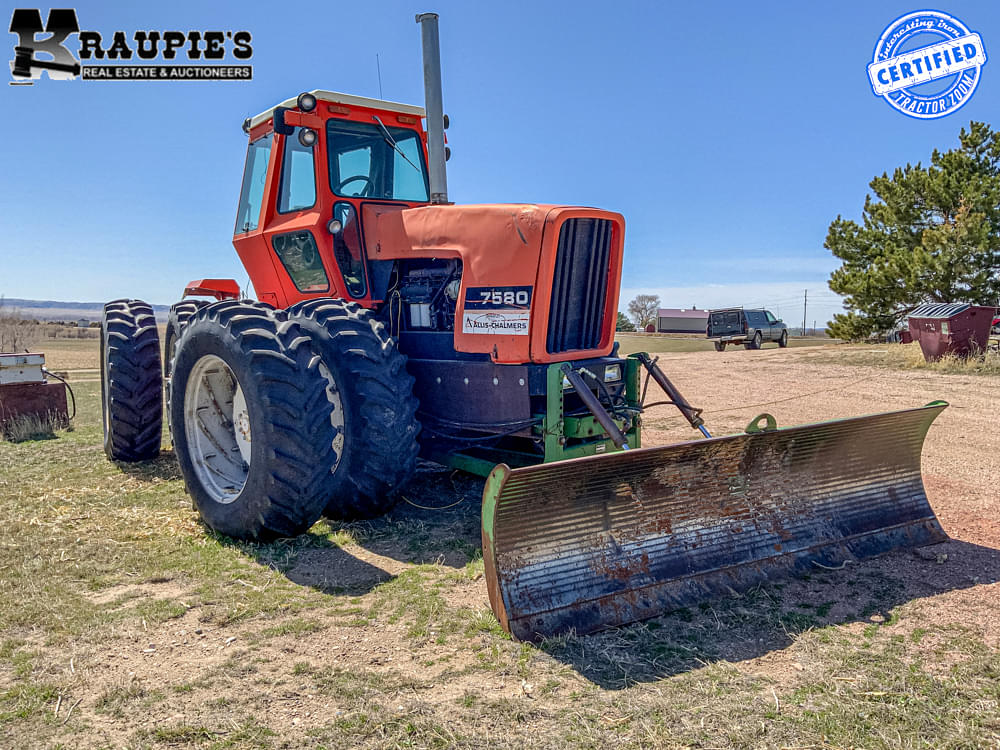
296	228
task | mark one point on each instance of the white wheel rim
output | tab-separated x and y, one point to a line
217	427
336	414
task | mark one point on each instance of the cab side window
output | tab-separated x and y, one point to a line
254	177
299	255
298	176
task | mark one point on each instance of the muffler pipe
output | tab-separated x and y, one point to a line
433	106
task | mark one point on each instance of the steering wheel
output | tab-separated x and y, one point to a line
364	192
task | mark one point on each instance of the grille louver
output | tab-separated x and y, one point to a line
579	285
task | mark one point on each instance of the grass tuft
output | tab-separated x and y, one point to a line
28	427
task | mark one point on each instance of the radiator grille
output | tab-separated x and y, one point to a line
579	285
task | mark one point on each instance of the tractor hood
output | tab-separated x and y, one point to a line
505	246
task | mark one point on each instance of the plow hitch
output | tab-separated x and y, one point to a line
590	543
691	414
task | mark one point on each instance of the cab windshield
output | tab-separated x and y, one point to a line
375	161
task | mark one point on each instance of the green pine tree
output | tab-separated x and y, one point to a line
624	324
930	234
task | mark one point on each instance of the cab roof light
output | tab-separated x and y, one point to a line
338	109
306	102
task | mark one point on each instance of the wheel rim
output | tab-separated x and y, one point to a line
217	426
336	413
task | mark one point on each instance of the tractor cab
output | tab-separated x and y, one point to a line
312	163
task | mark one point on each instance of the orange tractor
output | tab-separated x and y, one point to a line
392	324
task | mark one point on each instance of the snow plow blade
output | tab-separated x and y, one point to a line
592	543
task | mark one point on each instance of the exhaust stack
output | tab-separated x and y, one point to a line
433	106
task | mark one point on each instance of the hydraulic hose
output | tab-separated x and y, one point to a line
68	390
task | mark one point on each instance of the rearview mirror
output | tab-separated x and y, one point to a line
279	122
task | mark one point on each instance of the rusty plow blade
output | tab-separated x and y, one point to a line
591	543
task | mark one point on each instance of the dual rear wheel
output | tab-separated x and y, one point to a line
277	416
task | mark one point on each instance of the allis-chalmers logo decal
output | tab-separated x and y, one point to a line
48	49
497	310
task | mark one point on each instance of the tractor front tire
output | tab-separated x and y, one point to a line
377	450
252	424
178	317
131	383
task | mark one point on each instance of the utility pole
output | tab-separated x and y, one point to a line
805	305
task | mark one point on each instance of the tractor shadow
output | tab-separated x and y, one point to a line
315	561
436	521
162	468
768	618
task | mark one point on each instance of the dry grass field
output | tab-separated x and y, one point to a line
125	623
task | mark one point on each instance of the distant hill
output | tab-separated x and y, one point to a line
55	310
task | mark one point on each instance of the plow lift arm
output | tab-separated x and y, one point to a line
590	543
575	378
692	415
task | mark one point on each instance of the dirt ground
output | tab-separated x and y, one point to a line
379	634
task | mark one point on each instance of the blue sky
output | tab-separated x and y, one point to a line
729	134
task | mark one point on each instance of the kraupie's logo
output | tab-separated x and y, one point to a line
52	42
927	64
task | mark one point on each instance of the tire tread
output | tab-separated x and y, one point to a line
130	374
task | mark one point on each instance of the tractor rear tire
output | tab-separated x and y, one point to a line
131	383
378	447
252	424
178	317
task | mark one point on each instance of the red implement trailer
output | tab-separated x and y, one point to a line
26	392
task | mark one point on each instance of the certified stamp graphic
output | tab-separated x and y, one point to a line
927	64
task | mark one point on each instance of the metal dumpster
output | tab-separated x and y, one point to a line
954	328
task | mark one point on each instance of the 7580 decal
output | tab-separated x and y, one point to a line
498	298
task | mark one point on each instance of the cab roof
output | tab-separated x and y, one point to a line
334	97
